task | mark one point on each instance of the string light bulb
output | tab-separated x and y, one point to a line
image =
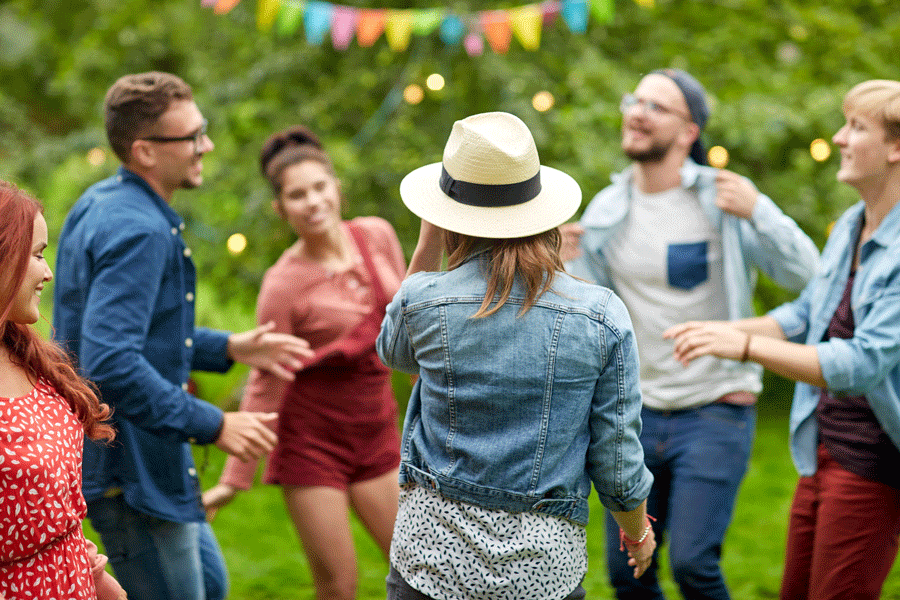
96	157
435	82
717	157
820	150
413	93
236	244
543	101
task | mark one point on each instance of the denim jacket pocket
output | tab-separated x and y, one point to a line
687	264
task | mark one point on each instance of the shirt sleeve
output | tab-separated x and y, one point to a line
264	391
128	272
778	247
615	419
393	344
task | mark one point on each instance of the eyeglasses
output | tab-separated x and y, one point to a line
649	106
196	137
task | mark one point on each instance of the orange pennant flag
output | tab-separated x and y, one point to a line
369	25
495	24
224	6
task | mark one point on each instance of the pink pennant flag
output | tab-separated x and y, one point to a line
550	10
343	26
495	24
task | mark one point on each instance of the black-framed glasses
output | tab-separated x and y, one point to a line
196	137
649	106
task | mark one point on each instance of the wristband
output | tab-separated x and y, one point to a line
632	544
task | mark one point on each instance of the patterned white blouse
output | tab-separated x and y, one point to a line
451	550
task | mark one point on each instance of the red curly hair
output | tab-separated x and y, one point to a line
37	356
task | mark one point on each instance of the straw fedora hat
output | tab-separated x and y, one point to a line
491	183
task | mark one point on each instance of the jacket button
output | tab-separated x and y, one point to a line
174	231
184	386
192	472
187	252
189	342
181	226
189	297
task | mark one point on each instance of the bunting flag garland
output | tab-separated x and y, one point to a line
320	19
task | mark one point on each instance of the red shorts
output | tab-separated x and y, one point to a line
314	450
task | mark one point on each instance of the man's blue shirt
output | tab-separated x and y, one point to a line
124	307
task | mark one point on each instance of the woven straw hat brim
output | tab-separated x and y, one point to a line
559	199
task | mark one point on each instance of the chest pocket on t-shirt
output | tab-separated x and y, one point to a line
687	264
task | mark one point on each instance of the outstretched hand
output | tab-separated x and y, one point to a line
246	436
699	338
281	354
216	497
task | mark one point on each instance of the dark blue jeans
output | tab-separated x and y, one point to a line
698	458
155	559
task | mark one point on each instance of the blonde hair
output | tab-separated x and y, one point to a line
534	260
879	98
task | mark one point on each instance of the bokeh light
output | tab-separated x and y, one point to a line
237	243
435	82
820	150
96	156
717	157
543	101
413	93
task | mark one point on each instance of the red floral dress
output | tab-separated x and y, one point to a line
43	553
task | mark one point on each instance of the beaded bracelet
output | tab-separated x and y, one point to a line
624	539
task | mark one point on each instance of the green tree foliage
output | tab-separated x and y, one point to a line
775	72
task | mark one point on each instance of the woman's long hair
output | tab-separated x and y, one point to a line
534	260
39	358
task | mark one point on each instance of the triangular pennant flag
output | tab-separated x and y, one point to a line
550	9
526	24
452	30
398	29
495	24
474	44
426	20
369	25
224	6
343	26
290	17
575	13
646	3
266	11
603	10
317	20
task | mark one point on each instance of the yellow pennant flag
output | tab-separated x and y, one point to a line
398	29
526	23
224	6
266	11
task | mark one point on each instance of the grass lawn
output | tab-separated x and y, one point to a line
266	563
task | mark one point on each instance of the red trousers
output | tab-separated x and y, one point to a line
842	535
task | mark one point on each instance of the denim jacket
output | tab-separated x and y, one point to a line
124	306
867	364
770	240
518	413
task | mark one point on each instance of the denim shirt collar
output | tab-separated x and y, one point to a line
889	229
126	176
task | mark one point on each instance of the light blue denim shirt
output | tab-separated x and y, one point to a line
867	364
518	413
770	240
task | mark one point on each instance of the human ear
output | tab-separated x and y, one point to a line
143	154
